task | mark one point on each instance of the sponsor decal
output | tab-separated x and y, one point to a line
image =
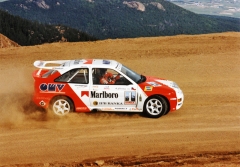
106	62
43	98
103	94
133	88
154	84
110	103
84	93
106	87
120	88
120	108
89	61
81	108
95	103
107	109
148	88
130	97
134	109
77	61
40	63
51	87
80	86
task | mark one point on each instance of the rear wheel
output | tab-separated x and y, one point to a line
155	107
61	105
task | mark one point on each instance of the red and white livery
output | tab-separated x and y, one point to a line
64	86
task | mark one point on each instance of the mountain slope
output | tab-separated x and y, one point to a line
26	32
118	18
6	42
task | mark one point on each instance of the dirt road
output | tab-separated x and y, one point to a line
205	131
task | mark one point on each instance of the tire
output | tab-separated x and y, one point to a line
155	107
61	106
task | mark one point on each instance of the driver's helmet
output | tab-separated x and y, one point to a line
103	70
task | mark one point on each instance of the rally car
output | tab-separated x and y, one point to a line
86	85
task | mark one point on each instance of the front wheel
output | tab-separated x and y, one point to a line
155	107
61	105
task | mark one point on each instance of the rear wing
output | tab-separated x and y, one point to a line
43	64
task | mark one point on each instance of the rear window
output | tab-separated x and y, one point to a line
50	72
80	76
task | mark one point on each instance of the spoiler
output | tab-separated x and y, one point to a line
42	64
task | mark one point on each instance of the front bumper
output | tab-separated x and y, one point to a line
180	98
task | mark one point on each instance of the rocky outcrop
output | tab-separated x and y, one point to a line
6	42
135	4
158	5
140	6
42	4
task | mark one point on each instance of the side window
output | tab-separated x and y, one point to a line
109	77
80	76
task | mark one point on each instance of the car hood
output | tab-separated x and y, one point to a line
154	81
158	83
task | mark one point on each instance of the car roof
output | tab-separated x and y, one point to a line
100	63
78	63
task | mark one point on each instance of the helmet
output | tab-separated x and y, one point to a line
103	70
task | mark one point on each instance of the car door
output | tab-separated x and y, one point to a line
78	80
118	96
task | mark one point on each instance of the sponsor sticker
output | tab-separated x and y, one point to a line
81	108
84	93
129	97
120	88
148	88
95	103
103	94
106	87
110	103
50	87
140	97
107	109
154	84
106	62
40	63
118	108
134	109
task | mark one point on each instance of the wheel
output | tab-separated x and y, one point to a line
155	107
61	105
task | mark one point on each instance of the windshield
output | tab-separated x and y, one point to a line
133	75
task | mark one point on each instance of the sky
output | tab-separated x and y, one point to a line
214	7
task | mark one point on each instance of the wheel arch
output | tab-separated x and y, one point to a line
154	95
58	96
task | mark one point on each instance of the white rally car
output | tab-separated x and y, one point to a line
64	86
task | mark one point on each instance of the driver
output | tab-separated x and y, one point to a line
107	77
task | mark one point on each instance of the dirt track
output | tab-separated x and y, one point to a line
205	131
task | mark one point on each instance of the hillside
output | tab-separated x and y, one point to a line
25	32
6	42
204	132
118	18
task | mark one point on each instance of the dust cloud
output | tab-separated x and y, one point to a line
16	104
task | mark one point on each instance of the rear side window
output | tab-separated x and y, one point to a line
50	72
79	75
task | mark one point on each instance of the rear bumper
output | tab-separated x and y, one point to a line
41	101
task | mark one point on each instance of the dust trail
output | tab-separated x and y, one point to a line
16	87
